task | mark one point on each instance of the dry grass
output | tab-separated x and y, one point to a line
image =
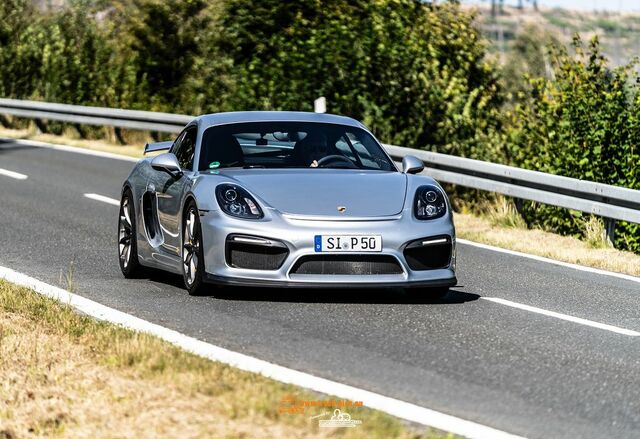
595	253
501	213
594	233
66	375
70	138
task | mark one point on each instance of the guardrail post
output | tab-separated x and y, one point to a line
40	125
519	202
80	131
4	121
610	229
119	138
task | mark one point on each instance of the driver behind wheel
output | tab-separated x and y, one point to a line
311	149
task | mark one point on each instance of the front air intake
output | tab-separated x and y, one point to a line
356	265
254	253
429	253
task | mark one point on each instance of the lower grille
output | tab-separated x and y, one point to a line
429	253
347	265
256	257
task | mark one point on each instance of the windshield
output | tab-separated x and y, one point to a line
291	145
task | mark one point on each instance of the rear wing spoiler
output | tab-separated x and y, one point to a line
157	146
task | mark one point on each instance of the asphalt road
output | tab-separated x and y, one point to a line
522	372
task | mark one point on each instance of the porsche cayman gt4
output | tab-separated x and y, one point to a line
285	199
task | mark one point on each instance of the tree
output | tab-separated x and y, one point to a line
527	57
582	123
163	42
16	18
417	74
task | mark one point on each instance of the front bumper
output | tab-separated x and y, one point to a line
269	283
297	234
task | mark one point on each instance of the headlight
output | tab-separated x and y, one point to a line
236	201
429	203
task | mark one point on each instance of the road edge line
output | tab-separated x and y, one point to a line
13	174
76	149
102	198
599	271
400	409
562	316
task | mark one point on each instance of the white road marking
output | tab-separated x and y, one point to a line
104	199
16	175
76	149
566	317
395	407
551	261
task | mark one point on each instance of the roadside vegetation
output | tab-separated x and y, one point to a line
67	375
420	74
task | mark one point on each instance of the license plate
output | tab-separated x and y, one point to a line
348	243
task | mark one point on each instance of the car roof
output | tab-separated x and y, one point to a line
209	120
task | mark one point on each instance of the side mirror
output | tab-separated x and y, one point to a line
412	165
166	162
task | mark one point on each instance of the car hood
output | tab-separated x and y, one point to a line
321	192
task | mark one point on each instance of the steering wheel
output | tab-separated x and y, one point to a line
336	158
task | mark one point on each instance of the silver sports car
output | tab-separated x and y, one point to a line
285	199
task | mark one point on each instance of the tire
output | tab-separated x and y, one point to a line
192	252
127	242
434	293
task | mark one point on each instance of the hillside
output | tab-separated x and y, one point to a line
619	33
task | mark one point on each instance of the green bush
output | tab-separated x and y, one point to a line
582	123
18	69
415	73
60	57
527	57
168	48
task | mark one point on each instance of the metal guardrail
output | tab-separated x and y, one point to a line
597	198
611	202
132	119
